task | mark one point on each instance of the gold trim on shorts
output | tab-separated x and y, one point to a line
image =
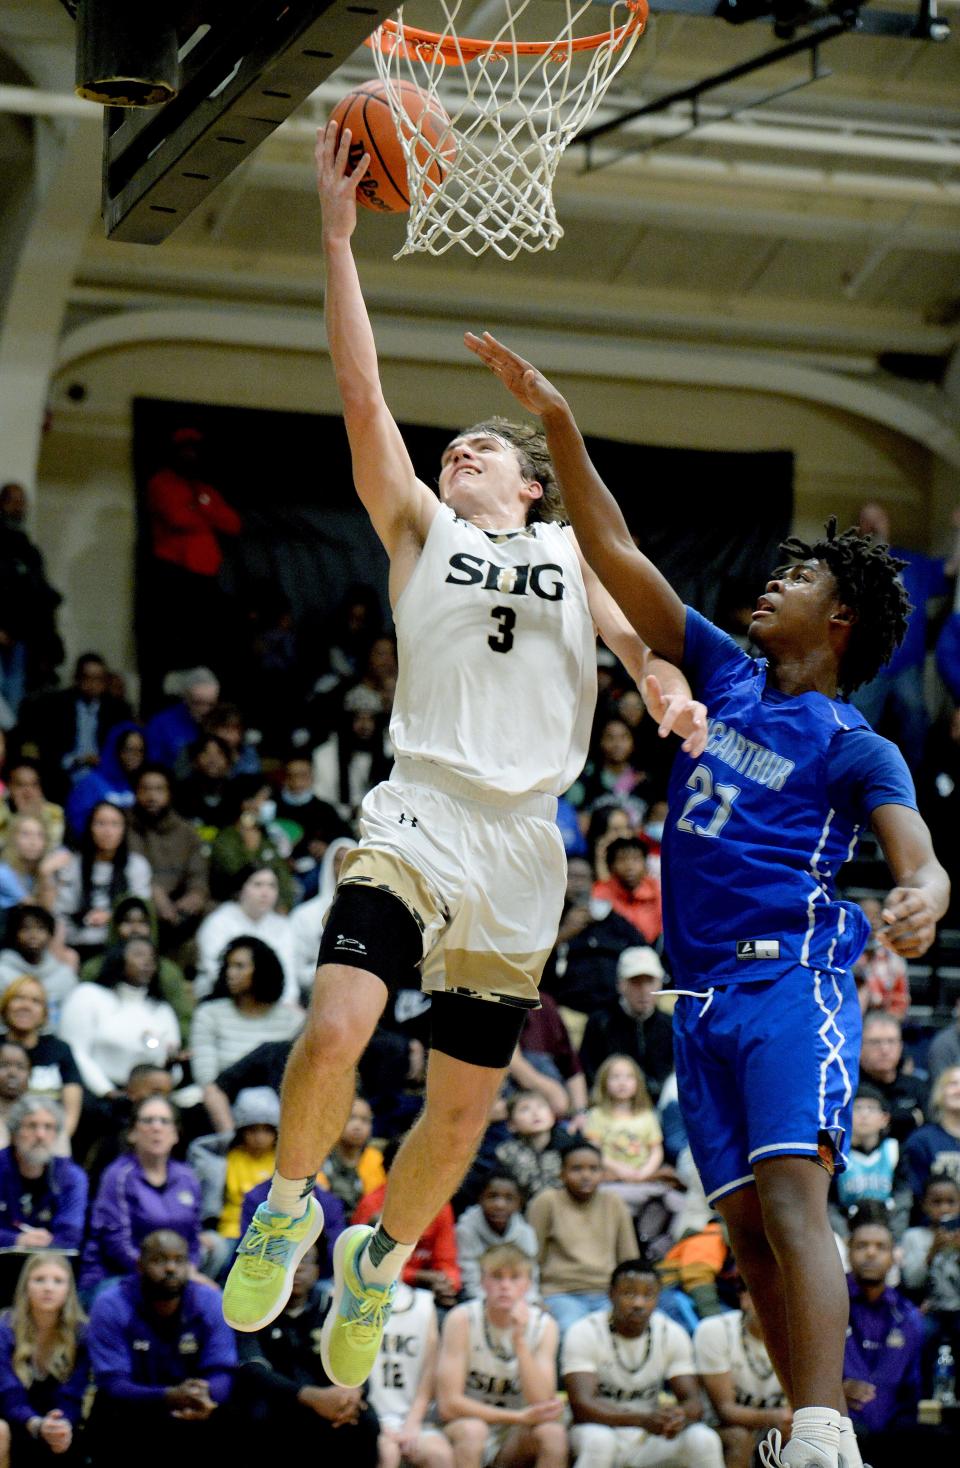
392	874
509	978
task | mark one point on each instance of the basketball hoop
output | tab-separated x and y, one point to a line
520	106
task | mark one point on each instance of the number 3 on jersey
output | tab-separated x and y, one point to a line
703	788
502	639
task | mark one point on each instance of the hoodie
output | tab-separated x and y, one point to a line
475	1237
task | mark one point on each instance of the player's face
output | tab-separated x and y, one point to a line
480	475
504	1288
794	610
871	1254
634	1298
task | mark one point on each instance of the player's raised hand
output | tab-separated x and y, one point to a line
530	388
909	922
676	714
337	180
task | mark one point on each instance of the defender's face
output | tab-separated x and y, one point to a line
795	609
481	474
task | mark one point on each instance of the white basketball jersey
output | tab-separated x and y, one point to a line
493	1375
628	1370
497	657
397	1370
722	1344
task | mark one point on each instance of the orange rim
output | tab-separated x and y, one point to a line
430	46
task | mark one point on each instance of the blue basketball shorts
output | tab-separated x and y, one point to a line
767	1069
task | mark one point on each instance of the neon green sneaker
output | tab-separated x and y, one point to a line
259	1284
358	1314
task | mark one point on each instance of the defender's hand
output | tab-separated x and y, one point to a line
337	181
530	388
676	715
910	924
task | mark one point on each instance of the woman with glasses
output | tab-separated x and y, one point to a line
141	1191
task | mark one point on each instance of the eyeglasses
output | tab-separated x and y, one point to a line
155	1121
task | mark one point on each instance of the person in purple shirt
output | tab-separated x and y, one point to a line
44	1366
882	1360
163	1362
144	1190
43	1198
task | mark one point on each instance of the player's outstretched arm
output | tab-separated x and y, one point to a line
922	894
386	483
647	599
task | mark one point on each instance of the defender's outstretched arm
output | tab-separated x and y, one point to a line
646	598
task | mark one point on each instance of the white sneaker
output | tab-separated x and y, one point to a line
774	1454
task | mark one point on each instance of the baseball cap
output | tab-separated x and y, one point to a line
636	963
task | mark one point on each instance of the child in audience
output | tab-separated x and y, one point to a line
44	1366
873	1158
229	1165
496	1218
939	1233
354	1168
582	1233
531	1155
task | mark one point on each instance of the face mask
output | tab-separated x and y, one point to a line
267	812
654	829
299	797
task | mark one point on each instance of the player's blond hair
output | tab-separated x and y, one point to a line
506	1259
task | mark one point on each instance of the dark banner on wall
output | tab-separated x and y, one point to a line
290	539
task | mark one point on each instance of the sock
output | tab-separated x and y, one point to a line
289	1195
383	1258
817	1427
849	1447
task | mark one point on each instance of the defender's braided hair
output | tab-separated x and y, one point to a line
868	582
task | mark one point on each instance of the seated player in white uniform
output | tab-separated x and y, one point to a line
617	1364
402	1383
739	1379
497	1373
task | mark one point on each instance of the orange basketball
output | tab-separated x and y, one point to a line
366	112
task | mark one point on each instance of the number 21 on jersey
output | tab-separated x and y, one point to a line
704	793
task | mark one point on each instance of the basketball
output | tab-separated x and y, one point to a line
366	112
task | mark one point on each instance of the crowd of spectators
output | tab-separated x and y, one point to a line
163	887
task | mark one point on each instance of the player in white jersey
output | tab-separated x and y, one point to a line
402	1384
739	1379
616	1366
497	1374
461	867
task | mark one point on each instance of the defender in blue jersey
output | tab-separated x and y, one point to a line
768	1036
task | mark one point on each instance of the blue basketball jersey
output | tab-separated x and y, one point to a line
760	824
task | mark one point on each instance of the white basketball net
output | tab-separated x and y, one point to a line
511	119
